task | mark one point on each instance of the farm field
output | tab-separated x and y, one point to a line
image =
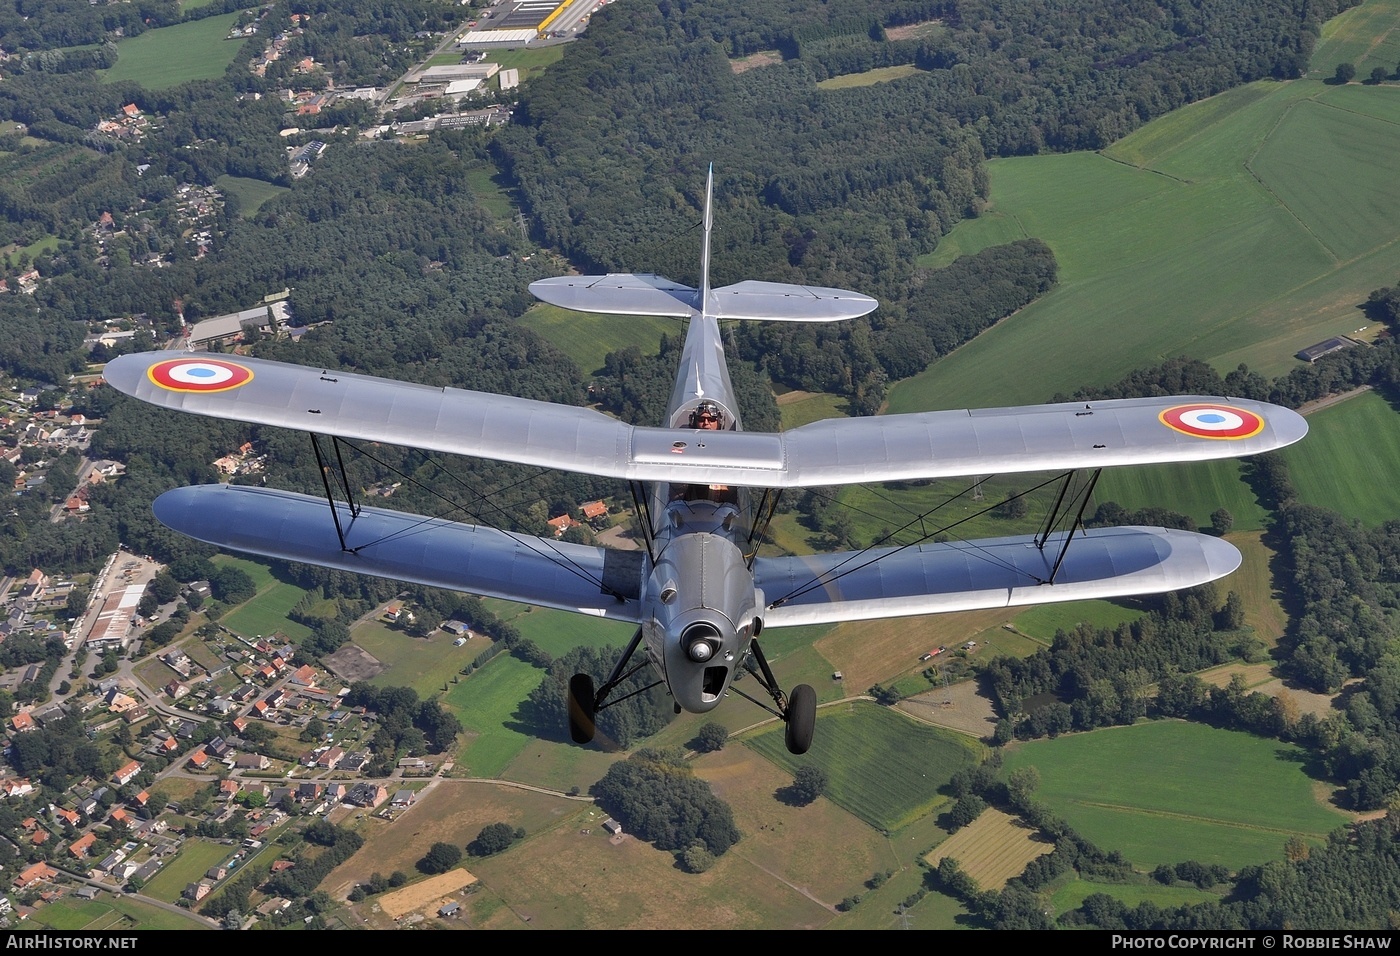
883	767
1167	245
992	849
1365	36
1344	463
588	338
1169	791
168	56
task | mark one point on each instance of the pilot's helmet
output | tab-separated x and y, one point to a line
704	413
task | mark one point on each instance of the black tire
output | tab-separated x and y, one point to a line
801	718
581	709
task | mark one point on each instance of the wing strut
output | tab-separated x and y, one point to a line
344	483
1077	524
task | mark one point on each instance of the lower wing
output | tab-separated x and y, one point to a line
407	547
995	572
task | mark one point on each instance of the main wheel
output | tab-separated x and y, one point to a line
582	702
801	718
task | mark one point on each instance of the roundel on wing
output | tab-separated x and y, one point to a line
1212	421
199	375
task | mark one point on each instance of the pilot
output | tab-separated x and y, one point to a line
706	416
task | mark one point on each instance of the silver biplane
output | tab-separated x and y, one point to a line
699	594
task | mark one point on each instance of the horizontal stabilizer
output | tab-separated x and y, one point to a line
405	547
626	294
620	294
990	573
783	302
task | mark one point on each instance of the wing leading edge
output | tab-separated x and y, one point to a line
837	451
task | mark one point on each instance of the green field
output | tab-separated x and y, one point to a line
1169	791
1194	489
882	767
492	191
1366	36
487	703
528	61
1345	463
1043	621
588	339
109	914
251	193
869	78
266	613
424	663
166	57
1073	894
189	866
556	632
1212	232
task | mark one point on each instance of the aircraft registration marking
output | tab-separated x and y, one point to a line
1212	421
199	375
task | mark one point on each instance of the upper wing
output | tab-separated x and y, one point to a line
836	451
628	294
406	547
998	572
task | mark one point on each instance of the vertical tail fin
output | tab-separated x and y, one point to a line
704	294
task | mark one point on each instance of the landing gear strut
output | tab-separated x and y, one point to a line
798	711
585	702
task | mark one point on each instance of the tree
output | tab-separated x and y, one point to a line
1221	521
493	838
1346	72
697	859
440	858
711	738
1378	75
809	784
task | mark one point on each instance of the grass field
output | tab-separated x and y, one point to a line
166	57
491	190
1192	489
528	61
190	865
1042	622
588	339
1198	235
1168	791
486	703
556	632
869	78
1073	894
251	193
423	663
882	767
109	914
1347	459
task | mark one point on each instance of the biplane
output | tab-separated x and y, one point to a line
698	592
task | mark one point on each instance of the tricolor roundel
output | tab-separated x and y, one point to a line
1212	421
199	375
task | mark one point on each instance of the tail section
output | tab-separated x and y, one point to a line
631	294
